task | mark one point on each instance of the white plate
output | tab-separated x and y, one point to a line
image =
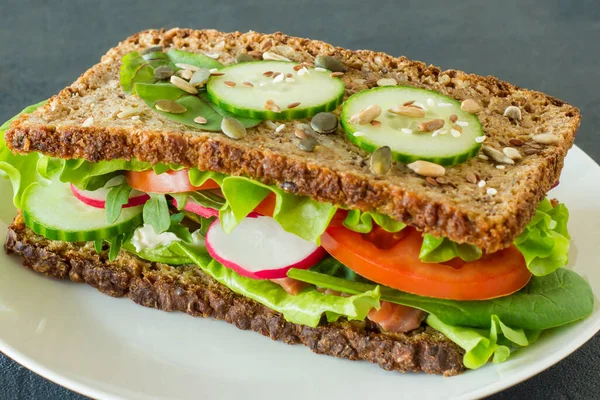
111	348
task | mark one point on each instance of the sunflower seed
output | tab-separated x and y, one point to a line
426	168
307	144
387	82
381	160
431	125
273	56
330	63
496	155
280	128
500	166
293	105
470	106
512	153
185	74
169	106
200	120
189	67
366	115
163	72
233	128
407	111
546	138
266	45
183	85
513	112
128	112
471	178
324	122
491	191
200	77
243	57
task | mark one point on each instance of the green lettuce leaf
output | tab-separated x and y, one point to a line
437	250
545	241
482	344
299	215
546	302
22	170
362	222
306	308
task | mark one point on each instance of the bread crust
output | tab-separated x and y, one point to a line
456	209
188	289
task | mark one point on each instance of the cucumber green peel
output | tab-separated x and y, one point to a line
401	133
315	91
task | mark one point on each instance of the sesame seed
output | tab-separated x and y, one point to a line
435	133
135	118
358	134
290	80
491	191
407	131
278	78
213	70
88	122
480	139
280	128
481	183
444	105
319	69
262	84
430	102
454	133
500	167
302	71
462	123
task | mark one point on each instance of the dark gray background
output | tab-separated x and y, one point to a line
551	46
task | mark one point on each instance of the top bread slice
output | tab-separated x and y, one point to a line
82	122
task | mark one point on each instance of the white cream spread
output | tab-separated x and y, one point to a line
144	237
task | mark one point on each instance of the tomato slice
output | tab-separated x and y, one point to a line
167	182
494	275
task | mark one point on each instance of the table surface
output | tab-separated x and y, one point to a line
550	46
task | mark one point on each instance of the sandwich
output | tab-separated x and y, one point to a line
366	206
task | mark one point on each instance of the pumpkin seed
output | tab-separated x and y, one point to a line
513	112
163	72
243	57
200	120
307	144
324	122
330	63
170	106
381	160
200	77
153	49
233	128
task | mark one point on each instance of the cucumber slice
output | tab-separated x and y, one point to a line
316	91
401	133
55	213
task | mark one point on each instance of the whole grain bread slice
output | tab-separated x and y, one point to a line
82	122
188	289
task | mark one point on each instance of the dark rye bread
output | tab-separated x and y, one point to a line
81	122
188	289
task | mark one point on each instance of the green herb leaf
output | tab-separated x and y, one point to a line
115	246
437	250
362	222
305	308
98	244
196	106
116	198
207	199
546	302
156	213
134	68
180	199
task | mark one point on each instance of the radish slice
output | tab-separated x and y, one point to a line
97	198
205	212
259	248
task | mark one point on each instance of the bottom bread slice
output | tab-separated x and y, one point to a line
188	289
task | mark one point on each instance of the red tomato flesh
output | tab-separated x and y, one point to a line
167	182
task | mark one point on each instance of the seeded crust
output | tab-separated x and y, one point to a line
188	289
337	171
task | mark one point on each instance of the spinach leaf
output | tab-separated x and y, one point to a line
195	105
196	59
156	213
134	68
546	302
116	198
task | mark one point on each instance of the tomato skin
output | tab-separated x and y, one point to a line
399	267
167	182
